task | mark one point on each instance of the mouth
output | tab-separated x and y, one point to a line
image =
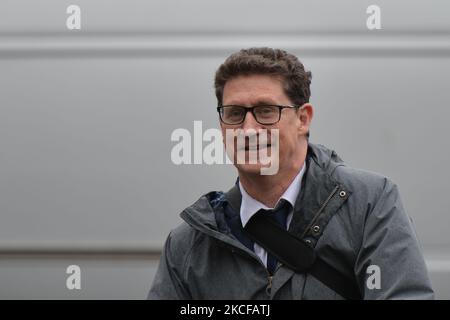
256	147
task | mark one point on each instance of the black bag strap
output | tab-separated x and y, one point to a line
288	249
298	256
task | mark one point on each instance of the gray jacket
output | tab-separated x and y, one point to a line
354	219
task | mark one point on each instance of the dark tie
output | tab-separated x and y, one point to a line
279	215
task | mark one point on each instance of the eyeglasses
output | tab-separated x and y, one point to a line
266	115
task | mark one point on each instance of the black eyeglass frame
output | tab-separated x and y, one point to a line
251	109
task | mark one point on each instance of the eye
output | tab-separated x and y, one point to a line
233	112
266	110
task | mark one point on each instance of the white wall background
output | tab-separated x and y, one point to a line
86	118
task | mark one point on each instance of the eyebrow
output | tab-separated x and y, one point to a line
261	102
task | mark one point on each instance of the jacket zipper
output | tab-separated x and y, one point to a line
269	276
269	285
316	215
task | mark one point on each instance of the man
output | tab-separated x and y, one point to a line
346	226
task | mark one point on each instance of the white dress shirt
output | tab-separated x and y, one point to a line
249	206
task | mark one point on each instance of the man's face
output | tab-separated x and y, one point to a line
255	90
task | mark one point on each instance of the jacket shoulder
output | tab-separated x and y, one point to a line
372	197
367	184
181	240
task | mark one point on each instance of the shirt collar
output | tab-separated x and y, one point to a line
249	205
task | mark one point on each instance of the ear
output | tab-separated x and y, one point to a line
305	114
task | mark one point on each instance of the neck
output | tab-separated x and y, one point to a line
268	189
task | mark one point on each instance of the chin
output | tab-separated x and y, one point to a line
254	169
